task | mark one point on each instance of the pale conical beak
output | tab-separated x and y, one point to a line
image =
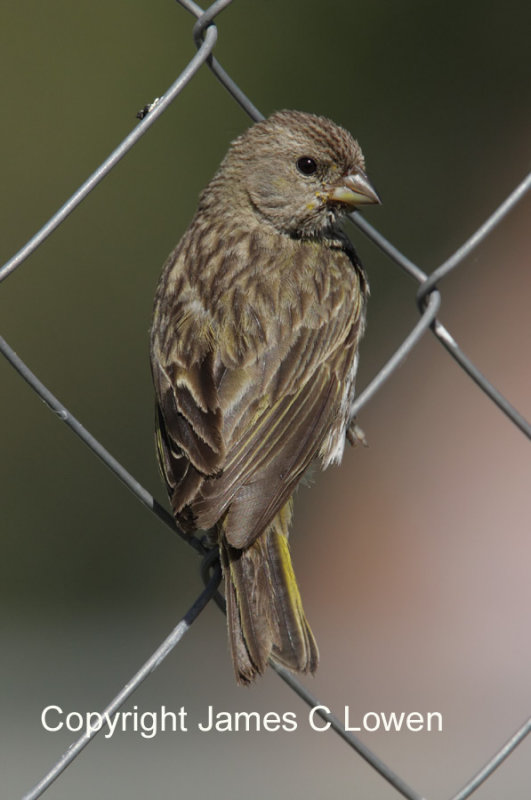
353	190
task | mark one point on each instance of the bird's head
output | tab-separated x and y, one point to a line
298	172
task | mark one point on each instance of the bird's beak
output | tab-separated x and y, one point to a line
354	189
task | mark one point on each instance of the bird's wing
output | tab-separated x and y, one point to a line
278	434
236	437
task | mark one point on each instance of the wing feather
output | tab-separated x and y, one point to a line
240	421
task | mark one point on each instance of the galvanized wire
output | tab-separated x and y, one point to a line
429	303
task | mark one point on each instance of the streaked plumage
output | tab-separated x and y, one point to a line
258	316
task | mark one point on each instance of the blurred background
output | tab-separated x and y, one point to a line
413	557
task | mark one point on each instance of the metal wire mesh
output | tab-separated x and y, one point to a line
429	304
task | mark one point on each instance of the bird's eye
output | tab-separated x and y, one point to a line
306	165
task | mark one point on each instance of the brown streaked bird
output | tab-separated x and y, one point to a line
258	316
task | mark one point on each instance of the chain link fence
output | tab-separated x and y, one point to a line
429	301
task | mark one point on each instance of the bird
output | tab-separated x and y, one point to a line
257	319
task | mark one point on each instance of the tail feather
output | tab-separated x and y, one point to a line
264	608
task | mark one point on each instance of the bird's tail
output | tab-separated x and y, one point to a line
264	607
